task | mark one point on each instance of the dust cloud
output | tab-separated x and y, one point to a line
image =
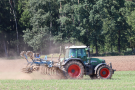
12	69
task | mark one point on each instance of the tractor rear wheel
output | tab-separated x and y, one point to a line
104	72
74	70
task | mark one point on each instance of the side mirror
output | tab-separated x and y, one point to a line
86	49
88	58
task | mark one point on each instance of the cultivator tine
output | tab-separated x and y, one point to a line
54	71
49	71
46	70
42	70
24	69
27	69
58	71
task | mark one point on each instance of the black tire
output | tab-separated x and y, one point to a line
74	70
104	72
94	76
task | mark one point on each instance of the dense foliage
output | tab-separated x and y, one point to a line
39	25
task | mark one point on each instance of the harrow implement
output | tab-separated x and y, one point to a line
46	67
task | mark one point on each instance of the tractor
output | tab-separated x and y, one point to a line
77	63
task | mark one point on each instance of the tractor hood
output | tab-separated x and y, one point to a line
95	61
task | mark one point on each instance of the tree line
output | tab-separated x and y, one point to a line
41	25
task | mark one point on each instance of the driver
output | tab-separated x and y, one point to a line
73	53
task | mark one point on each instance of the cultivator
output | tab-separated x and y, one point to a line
46	67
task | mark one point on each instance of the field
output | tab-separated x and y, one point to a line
11	77
121	80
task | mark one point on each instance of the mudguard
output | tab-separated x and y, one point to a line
73	59
95	69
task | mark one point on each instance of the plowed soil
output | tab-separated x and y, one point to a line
121	63
12	69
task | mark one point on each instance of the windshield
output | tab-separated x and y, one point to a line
81	53
75	53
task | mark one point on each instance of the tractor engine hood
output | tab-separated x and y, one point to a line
95	61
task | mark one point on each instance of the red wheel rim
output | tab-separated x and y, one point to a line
74	71
104	72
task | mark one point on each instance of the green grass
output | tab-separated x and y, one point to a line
121	80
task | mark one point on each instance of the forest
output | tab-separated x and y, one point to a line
107	26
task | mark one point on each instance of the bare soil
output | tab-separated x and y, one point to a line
121	63
12	69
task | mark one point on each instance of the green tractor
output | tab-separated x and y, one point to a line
77	62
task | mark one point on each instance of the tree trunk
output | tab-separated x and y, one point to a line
111	48
119	41
96	47
5	48
16	26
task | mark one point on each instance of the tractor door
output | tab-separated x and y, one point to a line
81	53
71	53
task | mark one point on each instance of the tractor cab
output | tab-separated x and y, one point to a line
76	52
83	53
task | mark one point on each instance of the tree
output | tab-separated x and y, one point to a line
5	26
130	13
43	22
116	15
12	4
132	30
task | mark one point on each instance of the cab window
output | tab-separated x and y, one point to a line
81	52
72	53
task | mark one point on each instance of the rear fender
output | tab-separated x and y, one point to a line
96	68
73	59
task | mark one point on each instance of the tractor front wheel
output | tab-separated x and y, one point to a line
74	70
104	72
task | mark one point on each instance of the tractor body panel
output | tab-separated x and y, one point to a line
96	68
96	61
71	59
81	54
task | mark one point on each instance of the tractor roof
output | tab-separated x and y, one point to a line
76	47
